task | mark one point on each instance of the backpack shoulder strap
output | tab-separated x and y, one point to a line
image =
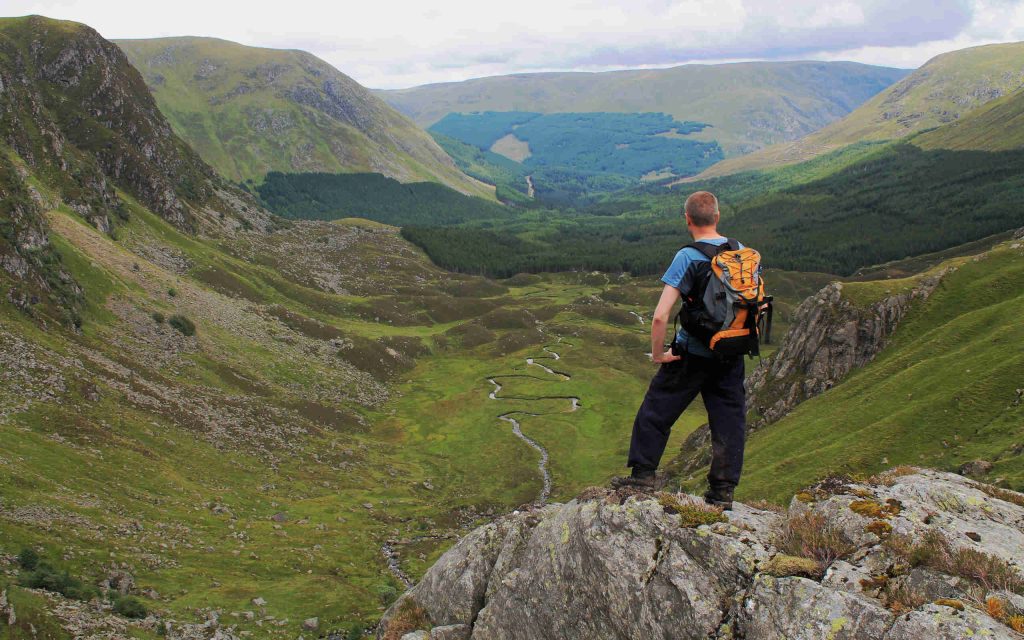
732	243
706	248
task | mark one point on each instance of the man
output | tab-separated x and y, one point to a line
694	370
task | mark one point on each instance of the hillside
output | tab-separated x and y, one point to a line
249	111
944	89
997	126
748	105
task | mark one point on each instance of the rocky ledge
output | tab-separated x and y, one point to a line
907	554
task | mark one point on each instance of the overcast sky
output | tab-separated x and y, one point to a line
388	44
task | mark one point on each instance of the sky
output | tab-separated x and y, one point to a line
390	44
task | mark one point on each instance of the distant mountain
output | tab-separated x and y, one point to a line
249	111
940	92
748	105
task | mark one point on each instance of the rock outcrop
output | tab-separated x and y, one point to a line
620	565
830	336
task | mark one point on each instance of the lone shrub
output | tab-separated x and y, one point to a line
184	326
130	607
28	559
46	577
172	292
158	317
387	594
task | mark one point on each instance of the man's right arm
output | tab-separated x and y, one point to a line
659	323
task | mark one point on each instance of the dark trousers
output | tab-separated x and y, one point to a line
720	384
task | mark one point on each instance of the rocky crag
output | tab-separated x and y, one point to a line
80	130
831	336
907	554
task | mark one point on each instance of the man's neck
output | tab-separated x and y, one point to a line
706	233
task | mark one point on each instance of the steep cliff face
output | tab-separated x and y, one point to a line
78	128
831	335
26	254
611	565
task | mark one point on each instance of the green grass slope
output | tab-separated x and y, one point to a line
749	105
944	89
248	111
945	391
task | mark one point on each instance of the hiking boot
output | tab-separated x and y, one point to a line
719	498
644	481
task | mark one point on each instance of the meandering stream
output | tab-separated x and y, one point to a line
517	430
513	418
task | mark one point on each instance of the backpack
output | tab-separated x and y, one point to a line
727	309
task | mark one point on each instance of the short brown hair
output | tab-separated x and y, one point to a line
702	208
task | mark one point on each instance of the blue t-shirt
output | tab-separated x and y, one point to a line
680	275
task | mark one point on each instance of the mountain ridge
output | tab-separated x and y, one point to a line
251	110
939	92
796	98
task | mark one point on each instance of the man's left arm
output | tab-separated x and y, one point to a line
659	324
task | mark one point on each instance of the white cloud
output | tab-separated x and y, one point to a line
402	43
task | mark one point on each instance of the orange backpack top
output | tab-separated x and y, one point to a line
728	309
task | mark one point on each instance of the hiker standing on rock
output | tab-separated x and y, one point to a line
724	310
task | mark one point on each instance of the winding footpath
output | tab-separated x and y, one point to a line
517	430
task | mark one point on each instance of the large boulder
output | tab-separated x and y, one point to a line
627	565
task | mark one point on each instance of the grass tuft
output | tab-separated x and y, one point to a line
691	512
810	535
996	607
782	565
888	478
950	602
1001	494
1016	623
409	617
880	528
934	551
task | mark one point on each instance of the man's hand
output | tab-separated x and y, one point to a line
662	358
